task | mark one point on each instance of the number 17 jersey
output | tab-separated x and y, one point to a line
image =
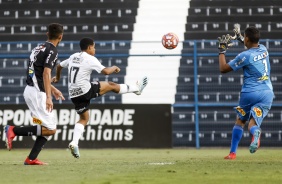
256	68
80	66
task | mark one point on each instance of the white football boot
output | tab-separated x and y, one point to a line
74	150
141	84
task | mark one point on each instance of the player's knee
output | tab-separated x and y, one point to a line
51	132
114	86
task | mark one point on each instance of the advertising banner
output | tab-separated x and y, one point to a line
110	126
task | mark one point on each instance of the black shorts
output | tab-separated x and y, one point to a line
81	103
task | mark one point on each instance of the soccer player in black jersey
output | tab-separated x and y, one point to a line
38	95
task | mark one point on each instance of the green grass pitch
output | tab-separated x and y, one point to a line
143	166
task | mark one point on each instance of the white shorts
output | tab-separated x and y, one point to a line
36	102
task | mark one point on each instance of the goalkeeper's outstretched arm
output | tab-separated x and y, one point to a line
223	43
238	36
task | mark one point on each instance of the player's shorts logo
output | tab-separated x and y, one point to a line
36	121
257	111
241	111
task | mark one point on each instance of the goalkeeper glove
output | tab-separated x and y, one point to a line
237	32
224	43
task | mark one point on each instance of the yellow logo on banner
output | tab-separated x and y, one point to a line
258	111
241	111
36	121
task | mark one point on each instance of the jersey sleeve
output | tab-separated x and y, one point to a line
95	64
52	56
239	61
65	63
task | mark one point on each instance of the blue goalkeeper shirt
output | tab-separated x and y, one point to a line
256	68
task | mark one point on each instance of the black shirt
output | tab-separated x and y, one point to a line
44	55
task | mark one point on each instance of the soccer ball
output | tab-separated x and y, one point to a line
170	40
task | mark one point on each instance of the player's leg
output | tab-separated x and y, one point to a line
45	123
81	104
42	119
77	133
105	87
39	143
258	112
36	149
13	131
123	88
237	133
243	115
255	130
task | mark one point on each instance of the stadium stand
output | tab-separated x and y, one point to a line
218	16
113	19
209	19
23	25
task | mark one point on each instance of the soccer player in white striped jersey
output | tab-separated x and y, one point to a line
80	66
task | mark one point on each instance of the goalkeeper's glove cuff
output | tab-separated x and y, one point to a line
221	51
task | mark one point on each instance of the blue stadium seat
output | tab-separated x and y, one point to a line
229	97
187	61
261	10
19	47
6	29
239	11
184	97
68	13
208	79
23	29
183	117
276	10
119	61
196	26
116	79
216	26
197	11
112	98
89	12
47	13
107	12
8	13
28	13
218	11
12	81
205	97
183	79
13	63
276	26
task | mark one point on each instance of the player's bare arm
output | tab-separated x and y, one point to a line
223	66
47	86
110	70
223	43
57	93
56	79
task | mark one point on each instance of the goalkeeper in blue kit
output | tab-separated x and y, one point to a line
257	93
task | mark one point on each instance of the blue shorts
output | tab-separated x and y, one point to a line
254	104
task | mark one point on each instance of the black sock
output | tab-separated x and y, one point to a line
37	147
27	130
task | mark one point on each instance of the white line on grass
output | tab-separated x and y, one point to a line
161	163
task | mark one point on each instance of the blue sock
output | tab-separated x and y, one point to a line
252	130
237	133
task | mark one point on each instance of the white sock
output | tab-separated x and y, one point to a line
78	131
125	88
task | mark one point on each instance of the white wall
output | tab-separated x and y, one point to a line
154	19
